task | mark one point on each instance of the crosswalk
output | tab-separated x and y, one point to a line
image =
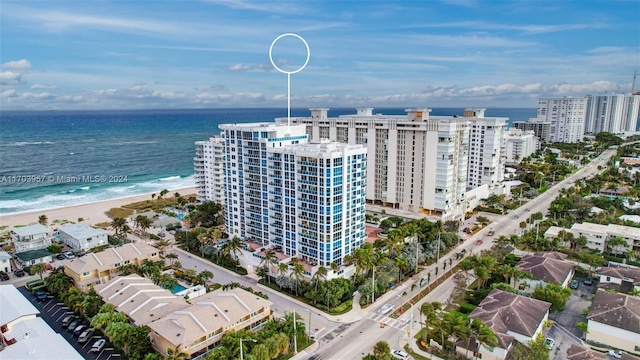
400	323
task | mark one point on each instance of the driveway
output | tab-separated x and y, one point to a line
52	312
564	330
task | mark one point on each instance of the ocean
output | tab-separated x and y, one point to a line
52	159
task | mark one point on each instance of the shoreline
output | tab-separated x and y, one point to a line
92	213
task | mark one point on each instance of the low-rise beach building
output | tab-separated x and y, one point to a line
97	268
82	237
546	268
5	262
32	237
597	235
25	335
625	279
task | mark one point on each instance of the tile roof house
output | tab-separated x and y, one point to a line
139	298
577	352
25	335
198	328
97	268
614	320
627	278
512	317
547	268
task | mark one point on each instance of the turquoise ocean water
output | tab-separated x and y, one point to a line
51	159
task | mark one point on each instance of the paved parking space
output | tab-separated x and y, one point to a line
564	330
53	311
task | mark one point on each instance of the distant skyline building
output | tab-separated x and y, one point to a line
417	162
567	116
209	174
614	113
541	128
486	143
305	198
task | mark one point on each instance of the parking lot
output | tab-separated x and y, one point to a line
564	330
53	311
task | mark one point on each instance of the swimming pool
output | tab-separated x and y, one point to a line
178	288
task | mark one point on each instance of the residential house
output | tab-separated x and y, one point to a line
626	279
25	335
546	267
598	235
139	298
30	244
197	329
577	352
97	268
82	237
513	318
5	262
614	320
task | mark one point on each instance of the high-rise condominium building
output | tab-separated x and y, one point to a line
519	144
614	113
542	129
305	198
209	173
416	162
567	116
486	155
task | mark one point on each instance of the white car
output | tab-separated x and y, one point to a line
615	354
98	345
68	255
385	308
399	354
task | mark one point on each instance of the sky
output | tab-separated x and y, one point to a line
58	55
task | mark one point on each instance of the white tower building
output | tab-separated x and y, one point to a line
209	175
614	113
416	162
486	155
567	116
519	144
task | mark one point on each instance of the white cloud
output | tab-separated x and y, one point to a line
279	7
8	93
252	67
22	64
43	87
10	78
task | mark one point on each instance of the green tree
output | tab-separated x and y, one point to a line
320	274
38	269
176	354
234	246
382	351
536	350
555	294
584	327
270	259
54	248
297	272
203	276
43	220
91	303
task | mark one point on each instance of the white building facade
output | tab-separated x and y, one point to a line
416	162
209	174
307	199
519	144
82	237
487	152
567	116
614	113
31	237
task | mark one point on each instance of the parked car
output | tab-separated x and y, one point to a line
574	284
60	257
19	273
465	230
399	354
491	233
86	335
68	320
588	282
516	217
548	342
41	295
615	354
4	276
479	242
68	255
79	330
74	324
98	345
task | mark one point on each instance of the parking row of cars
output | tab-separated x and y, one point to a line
84	333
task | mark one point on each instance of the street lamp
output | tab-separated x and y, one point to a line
241	340
309	330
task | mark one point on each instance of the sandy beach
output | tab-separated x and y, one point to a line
92	213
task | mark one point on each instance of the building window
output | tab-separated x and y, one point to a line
117	265
86	273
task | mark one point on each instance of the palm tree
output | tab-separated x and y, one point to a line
321	274
176	354
117	225
38	269
438	227
615	243
482	334
171	257
282	269
235	245
162	194
269	260
402	264
42	220
297	272
203	276
382	351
